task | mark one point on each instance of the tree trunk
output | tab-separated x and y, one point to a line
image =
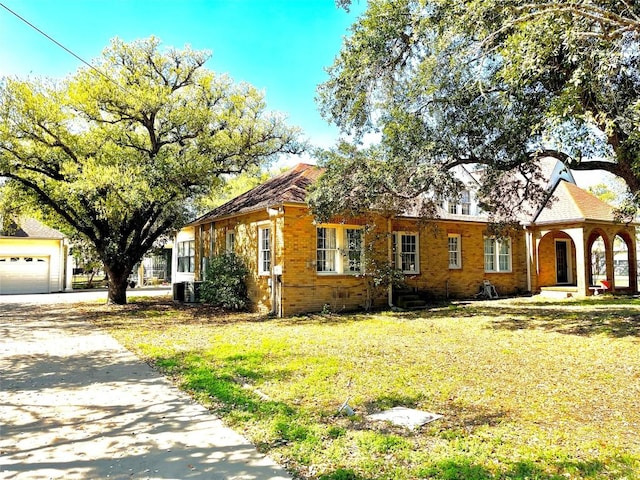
118	280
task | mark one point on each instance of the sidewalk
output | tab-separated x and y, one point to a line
77	405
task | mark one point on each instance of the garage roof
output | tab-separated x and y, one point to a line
32	228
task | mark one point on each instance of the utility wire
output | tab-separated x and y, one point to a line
49	37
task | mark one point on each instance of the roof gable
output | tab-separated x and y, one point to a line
288	187
573	203
32	228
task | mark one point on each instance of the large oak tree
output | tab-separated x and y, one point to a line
495	83
120	151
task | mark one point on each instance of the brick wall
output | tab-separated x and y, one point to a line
303	289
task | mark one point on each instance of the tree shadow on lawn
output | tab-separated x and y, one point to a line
612	320
464	468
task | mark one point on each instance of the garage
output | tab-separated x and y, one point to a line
24	274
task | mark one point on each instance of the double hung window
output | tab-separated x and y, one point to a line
187	256
455	251
264	250
497	254
406	252
339	250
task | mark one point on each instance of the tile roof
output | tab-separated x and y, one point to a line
573	203
288	187
32	228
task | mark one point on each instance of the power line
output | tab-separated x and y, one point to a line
50	38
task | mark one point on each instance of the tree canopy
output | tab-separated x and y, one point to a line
496	83
120	151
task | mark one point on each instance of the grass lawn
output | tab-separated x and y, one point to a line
529	389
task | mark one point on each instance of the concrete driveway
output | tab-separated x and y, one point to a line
76	405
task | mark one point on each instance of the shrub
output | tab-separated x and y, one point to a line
225	285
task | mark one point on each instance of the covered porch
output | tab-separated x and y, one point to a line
583	259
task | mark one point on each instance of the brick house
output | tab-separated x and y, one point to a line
299	266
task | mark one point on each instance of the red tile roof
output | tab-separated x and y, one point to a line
573	203
288	187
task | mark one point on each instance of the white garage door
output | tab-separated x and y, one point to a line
24	274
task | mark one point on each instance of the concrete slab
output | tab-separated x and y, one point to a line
77	405
405	417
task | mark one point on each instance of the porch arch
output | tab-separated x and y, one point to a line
599	251
624	261
557	260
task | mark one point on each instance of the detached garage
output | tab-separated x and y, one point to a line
32	259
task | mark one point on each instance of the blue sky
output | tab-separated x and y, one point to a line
279	46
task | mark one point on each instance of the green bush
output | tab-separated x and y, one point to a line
225	285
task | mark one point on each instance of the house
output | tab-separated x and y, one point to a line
299	266
33	259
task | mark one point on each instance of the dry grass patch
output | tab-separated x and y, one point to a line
528	389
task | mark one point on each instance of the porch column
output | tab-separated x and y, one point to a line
633	262
582	260
608	257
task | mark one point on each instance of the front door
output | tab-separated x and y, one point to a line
562	261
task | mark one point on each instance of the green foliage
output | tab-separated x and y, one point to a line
122	156
225	284
446	83
231	187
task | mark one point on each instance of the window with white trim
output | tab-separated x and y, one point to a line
353	249
187	256
455	251
465	202
339	250
230	244
406	252
264	250
497	254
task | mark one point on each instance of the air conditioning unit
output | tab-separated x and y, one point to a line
192	292
178	291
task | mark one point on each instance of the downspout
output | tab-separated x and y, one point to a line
390	260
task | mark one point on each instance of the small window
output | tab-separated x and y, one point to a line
465	202
405	247
264	251
186	256
453	208
15	259
230	246
497	255
28	259
455	257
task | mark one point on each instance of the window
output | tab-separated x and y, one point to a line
353	247
497	255
264	251
453	208
465	202
455	257
339	250
186	256
230	246
327	250
405	248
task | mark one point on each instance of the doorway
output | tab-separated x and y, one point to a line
563	261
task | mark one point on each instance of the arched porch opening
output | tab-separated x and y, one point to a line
557	260
622	260
597	248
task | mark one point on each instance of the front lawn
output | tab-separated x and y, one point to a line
528	389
